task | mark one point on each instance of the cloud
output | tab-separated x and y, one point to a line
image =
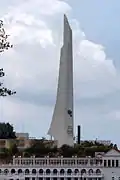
32	65
95	71
29	30
25	116
18	29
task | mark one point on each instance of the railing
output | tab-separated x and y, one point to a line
51	165
53	174
60	161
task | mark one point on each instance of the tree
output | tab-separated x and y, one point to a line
40	149
7	131
13	150
87	144
4	45
115	147
67	151
37	148
3	153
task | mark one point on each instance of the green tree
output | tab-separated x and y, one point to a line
111	145
13	150
40	149
4	153
7	131
4	45
115	146
37	148
67	151
87	144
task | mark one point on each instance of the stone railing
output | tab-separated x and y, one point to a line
93	175
58	162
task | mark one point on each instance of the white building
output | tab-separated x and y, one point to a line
102	167
22	135
61	127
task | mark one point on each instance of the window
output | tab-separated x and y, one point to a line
69	171
98	171
83	171
41	171
117	163
12	171
105	163
19	171
27	171
27	178
34	171
6	171
54	171
48	171
62	171
109	163
90	171
112	178
76	171
113	163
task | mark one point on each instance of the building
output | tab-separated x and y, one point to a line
61	128
104	166
22	141
105	142
22	135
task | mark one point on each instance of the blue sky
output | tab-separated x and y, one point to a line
32	65
100	21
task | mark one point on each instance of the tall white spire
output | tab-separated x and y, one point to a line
61	127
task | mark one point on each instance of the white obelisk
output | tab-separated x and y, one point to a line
61	127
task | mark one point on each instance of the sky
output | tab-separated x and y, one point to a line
31	66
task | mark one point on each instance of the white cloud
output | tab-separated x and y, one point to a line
19	26
32	65
25	116
95	55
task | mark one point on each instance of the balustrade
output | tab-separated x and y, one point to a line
58	162
53	175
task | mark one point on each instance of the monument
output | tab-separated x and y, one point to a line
62	127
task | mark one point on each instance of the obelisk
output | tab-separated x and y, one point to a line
61	128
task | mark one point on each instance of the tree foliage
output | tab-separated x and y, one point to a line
7	131
4	45
39	149
13	150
